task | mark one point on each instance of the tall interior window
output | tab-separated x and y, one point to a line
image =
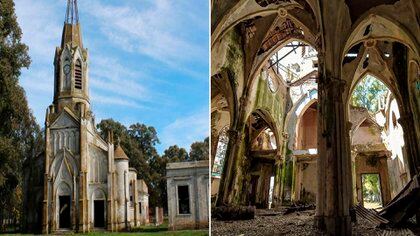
140	208
131	194
78	75
220	153
183	199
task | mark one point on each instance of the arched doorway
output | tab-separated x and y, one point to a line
99	209
64	205
377	143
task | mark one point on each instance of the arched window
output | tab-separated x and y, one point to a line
220	153
131	190
78	75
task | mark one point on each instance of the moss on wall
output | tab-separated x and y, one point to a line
274	103
235	58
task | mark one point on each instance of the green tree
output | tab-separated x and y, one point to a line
368	93
200	150
19	133
138	143
175	154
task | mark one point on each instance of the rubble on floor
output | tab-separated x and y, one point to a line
405	205
274	222
233	212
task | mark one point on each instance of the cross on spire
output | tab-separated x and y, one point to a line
72	13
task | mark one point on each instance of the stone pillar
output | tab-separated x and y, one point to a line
136	204
226	188
279	166
46	203
83	205
214	143
277	182
354	176
214	136
411	143
334	164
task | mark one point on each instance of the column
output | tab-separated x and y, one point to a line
279	166
411	144
334	162
227	180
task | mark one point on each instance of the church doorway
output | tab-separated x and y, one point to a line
99	213
64	212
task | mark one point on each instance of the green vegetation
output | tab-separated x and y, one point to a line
139	143
371	188
20	135
368	93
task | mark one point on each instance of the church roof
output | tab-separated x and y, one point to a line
119	154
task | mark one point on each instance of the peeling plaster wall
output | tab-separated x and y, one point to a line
307	130
306	183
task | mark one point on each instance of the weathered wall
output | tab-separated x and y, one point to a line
373	164
307	130
195	175
306	184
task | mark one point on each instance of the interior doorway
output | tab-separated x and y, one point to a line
371	191
253	192
99	213
64	202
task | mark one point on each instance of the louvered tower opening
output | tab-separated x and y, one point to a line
78	75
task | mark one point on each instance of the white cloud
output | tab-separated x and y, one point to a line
109	100
152	31
41	26
186	130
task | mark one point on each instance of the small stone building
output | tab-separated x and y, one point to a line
188	195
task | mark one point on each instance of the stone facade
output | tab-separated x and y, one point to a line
87	181
188	195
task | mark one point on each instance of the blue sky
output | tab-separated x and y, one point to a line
148	62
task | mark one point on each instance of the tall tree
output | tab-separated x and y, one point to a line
200	150
138	143
19	133
175	154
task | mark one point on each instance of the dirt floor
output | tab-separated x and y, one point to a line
270	222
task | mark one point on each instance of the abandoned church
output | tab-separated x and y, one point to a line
81	182
315	103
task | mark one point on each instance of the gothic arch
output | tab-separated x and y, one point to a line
249	9
98	194
390	30
357	79
64	159
261	60
223	85
271	122
293	116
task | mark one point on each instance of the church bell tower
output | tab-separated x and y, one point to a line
71	64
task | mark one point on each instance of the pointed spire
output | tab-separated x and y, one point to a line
72	32
72	13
